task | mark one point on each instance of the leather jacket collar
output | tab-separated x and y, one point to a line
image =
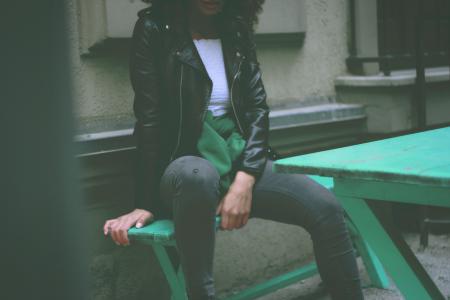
187	53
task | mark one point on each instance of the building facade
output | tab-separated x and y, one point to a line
325	87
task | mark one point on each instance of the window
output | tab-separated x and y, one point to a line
397	32
384	34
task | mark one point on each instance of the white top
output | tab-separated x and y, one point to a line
210	51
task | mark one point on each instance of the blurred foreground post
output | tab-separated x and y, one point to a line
39	194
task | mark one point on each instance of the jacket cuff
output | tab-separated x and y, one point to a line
256	172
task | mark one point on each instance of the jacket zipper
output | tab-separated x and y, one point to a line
231	96
206	105
181	115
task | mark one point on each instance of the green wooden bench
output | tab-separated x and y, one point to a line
160	234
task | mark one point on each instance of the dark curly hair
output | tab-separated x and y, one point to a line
248	10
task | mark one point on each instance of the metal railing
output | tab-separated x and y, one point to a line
398	34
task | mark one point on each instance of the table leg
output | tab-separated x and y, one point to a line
398	259
374	268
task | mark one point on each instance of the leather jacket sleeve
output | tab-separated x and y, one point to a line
255	114
145	82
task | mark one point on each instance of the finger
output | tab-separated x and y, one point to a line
105	227
245	219
144	219
238	221
224	223
229	221
219	208
127	225
122	232
233	221
120	229
114	233
109	225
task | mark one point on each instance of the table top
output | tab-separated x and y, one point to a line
422	157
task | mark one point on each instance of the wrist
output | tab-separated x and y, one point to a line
245	178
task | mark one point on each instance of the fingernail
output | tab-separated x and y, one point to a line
138	225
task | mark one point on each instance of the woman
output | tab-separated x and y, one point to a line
194	71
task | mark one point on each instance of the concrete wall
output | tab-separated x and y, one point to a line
295	74
263	248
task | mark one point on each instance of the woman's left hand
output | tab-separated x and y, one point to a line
236	204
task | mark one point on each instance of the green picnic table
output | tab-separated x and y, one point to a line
412	168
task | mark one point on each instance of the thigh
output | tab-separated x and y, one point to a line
292	198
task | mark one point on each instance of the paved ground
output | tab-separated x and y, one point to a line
435	258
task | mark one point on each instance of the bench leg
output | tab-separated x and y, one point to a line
274	284
374	268
180	276
176	281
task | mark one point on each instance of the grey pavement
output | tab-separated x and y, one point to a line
435	259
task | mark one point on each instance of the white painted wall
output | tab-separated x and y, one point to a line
292	74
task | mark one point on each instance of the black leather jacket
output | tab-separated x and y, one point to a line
172	90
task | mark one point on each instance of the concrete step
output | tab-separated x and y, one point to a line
390	100
314	114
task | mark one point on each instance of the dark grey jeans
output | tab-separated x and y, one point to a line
190	195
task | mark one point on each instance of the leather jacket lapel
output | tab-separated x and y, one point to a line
231	60
187	53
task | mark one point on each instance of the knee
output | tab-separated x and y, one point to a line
332	206
331	214
330	226
196	171
195	176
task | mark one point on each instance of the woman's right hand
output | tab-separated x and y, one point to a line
118	227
